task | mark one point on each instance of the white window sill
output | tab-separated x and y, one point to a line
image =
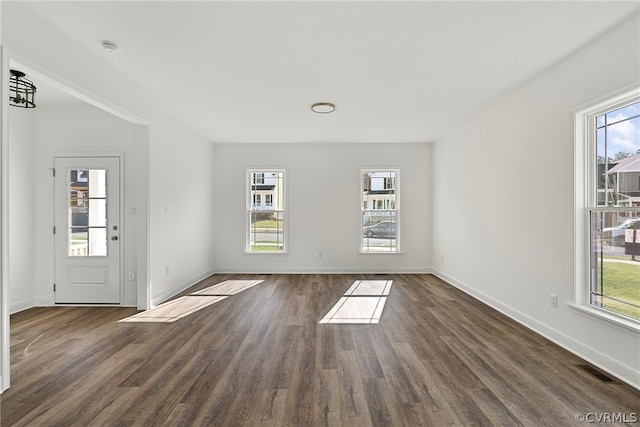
608	318
266	253
381	253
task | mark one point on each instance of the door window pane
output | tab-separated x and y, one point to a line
87	212
98	183
97	241
98	213
78	242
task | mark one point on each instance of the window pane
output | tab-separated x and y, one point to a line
80	177
618	158
623	113
257	178
97	183
266	211
78	242
379	211
97	213
615	262
78	185
78	212
266	231
379	236
79	216
378	190
602	165
623	139
97	242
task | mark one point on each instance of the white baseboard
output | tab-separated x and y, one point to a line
19	306
43	302
325	270
626	373
130	302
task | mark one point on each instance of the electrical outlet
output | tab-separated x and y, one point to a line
553	301
132	275
166	270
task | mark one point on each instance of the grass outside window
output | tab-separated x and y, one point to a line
620	282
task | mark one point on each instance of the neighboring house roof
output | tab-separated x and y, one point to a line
628	164
263	187
387	191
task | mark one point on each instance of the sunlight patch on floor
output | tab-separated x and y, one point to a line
228	287
181	307
369	288
174	309
362	303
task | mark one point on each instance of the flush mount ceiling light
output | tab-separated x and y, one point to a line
21	90
110	47
323	107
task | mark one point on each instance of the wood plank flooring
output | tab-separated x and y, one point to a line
260	358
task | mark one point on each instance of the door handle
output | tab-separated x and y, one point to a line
114	238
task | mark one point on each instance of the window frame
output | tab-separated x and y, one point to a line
250	207
585	203
397	209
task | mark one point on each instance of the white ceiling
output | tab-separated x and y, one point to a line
397	71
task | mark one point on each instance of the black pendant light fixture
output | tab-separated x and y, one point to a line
22	91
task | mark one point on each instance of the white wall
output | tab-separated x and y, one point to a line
85	130
21	208
182	217
323	184
503	201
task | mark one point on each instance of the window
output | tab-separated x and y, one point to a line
266	219
380	211
608	208
87	212
258	178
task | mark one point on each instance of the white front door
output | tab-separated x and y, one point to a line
87	230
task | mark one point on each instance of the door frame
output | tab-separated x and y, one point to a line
4	218
122	223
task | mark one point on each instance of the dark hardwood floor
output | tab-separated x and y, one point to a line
260	358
